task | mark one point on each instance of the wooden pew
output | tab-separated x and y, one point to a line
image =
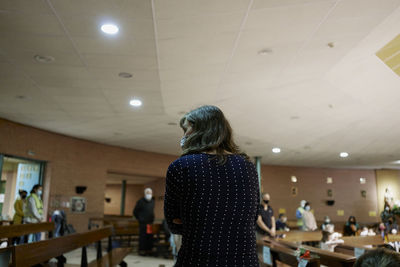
42	251
12	231
281	254
331	259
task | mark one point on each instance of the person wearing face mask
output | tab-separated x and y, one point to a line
351	227
266	220
387	214
144	213
19	207
281	223
34	210
299	214
309	223
327	224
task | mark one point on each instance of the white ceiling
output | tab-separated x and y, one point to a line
310	100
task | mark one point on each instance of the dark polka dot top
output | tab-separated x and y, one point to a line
217	205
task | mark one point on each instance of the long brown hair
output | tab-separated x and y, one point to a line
211	131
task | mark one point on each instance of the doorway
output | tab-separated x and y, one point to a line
17	174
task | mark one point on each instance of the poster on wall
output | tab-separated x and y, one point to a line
78	204
27	177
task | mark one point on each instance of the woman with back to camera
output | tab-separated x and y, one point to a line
212	195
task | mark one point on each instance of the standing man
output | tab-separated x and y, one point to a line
299	214
144	213
266	220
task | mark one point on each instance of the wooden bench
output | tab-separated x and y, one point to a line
328	258
281	254
42	251
18	230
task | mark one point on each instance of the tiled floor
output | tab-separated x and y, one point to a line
133	260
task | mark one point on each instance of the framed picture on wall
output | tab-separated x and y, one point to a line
78	204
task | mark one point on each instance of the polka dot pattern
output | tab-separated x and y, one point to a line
218	207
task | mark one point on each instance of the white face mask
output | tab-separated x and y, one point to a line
183	140
307	208
39	192
148	197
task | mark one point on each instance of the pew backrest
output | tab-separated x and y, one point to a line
11	231
38	252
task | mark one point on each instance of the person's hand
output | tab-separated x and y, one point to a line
177	221
272	232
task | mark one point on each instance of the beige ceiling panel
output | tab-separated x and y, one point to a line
288	19
89	26
26	58
121	61
141	86
29	23
71	91
51	71
260	4
127	46
137	9
25	6
42	45
200	25
183	53
364	8
186	8
189	73
111	75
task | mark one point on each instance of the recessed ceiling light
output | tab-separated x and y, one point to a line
43	59
125	75
135	102
344	154
331	44
109	28
276	150
265	52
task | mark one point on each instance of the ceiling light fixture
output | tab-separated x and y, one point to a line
344	154
331	44
276	150
43	59
293	179
110	28
135	103
21	97
125	75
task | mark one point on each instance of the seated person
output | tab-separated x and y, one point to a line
327	222
309	223
281	223
351	227
330	238
387	214
380	257
391	227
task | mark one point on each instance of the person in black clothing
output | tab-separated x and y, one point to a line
144	213
351	227
212	194
281	223
266	220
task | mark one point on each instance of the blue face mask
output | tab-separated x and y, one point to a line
39	192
